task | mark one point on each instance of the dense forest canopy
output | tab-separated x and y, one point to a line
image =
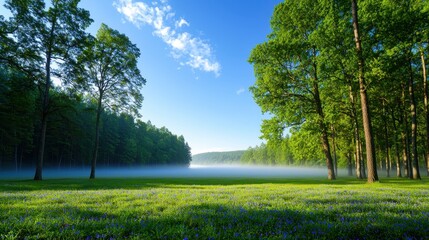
347	80
92	116
124	140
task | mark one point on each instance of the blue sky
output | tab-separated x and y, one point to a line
194	57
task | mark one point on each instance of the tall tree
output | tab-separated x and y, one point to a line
108	71
366	118
287	73
52	35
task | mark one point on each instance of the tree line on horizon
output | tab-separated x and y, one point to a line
91	116
345	81
214	158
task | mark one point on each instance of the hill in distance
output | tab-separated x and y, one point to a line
217	158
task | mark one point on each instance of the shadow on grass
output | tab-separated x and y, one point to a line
218	221
182	182
143	183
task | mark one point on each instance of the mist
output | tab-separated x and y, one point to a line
194	171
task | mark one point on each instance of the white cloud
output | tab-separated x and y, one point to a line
192	51
240	91
182	22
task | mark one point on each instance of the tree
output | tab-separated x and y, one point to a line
366	118
47	35
17	98
288	80
108	71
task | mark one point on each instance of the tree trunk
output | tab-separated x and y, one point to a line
366	118
388	160
357	161
97	137
355	125
39	165
405	135
324	132
380	156
386	136
362	168
45	102
334	149
398	158
415	158
349	164
398	161
426	108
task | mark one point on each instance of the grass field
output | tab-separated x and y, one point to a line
184	208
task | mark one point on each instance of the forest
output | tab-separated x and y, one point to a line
210	158
69	99
345	85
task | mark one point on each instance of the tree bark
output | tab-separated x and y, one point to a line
324	136
414	155
386	136
426	108
355	124
405	135
349	164
334	150
45	101
97	136
366	118
398	158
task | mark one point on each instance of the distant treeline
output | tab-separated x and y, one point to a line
124	141
218	158
272	155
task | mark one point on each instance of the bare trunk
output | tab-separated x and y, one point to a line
45	103
366	118
415	159
426	109
381	163
398	158
362	168
322	126
357	158
355	124
388	161
405	137
386	136
398	161
39	165
349	164
97	137
334	149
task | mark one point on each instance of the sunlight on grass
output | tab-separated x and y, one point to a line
213	209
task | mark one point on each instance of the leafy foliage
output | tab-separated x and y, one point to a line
100	91
307	78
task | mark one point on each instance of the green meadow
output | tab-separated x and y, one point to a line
204	208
